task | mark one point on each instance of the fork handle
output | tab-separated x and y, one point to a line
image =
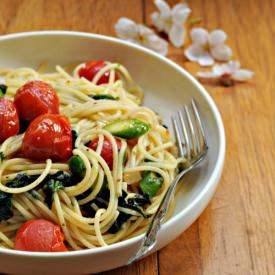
150	237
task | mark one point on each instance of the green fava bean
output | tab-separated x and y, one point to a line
77	166
150	183
128	128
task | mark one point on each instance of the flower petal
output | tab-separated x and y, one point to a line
177	35
207	75
227	68
199	36
206	59
242	75
221	52
194	52
163	8
144	31
197	53
233	65
156	44
158	21
126	28
217	37
221	69
180	13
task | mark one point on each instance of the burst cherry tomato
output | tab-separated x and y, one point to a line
48	136
91	68
107	150
9	121
36	98
40	236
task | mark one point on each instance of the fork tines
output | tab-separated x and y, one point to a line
192	146
189	132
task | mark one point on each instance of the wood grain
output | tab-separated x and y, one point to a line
236	233
86	15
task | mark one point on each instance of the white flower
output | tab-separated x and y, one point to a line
171	21
208	46
227	73
130	31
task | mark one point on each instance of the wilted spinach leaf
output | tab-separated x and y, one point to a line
134	203
74	137
3	89
20	180
121	219
50	188
54	182
5	206
106	97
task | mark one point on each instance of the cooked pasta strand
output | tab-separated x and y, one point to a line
85	217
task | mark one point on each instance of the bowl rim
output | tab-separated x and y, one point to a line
213	180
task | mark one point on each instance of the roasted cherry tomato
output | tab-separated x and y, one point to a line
40	236
107	150
9	121
36	98
48	136
91	68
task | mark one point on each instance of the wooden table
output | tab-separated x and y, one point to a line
236	233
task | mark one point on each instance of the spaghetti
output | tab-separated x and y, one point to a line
106	205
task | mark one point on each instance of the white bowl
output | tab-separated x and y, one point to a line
167	87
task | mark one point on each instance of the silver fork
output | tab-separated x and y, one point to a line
192	145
